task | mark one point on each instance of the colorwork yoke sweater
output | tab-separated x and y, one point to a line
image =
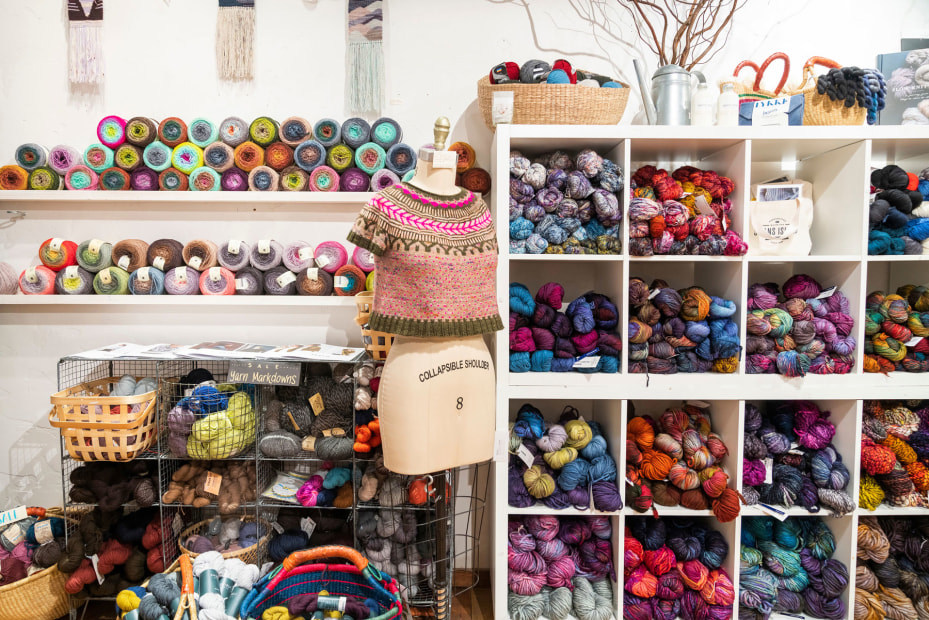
436	262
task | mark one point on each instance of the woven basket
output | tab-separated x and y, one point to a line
115	433
751	91
556	104
376	343
820	109
249	555
40	596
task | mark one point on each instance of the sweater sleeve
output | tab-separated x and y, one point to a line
369	230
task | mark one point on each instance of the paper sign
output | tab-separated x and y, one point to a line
305	253
771	112
525	455
768	470
316	402
142	274
264	246
181	274
588	362
445	159
340	282
177	525
159	263
213	482
233	246
912	342
285	278
502	110
31	276
71	272
195	262
264	373
501	443
312	274
241	284
308	525
124	262
216	274
703	207
105	276
55	243
43	532
13	515
95	560
829	292
654	293
94	246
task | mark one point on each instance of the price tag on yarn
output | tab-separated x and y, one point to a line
312	274
31	276
322	261
795	449
305	253
316	402
213	482
334	432
233	246
912	342
588	362
215	274
123	262
43	532
95	560
699	404
829	292
703	207
445	159
780	515
768	470
12	516
105	276
177	524
654	293
278	527
309	444
241	284
525	455
264	246
501	442
340	282
195	262
181	274
142	274
159	263
55	243
308	525
14	536
71	272
94	246
286	278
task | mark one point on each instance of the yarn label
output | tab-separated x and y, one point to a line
278	527
308	525
95	560
340	282
305	253
445	159
771	111
525	455
768	470
241	284
14	515
195	262
316	402
55	243
286	278
309	443
123	262
30	275
181	274
312	273
502	110
105	276
142	274
177	524
588	362
264	246
234	245
215	274
94	246
43	532
703	207
829	292
71	272
912	342
322	261
654	293
159	263
264	373
212	484
780	515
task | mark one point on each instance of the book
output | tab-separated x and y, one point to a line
907	76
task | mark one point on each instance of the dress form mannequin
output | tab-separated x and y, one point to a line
436	400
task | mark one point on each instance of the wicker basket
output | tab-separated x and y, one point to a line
40	596
556	104
376	343
752	91
249	555
820	109
114	433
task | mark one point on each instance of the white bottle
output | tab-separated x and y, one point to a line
727	107
701	107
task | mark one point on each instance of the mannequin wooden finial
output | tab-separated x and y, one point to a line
441	131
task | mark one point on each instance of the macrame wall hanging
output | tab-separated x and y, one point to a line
235	39
85	41
364	83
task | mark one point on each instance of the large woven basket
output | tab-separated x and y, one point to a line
820	109
40	596
249	555
376	343
114	433
556	104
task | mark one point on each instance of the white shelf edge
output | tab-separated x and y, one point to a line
27	199
542	509
567	257
228	301
685	258
893	258
679	133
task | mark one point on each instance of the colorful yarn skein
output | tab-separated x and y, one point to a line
561	204
896	327
680	331
674	567
789	459
806	329
894	454
891	569
562	465
898	221
582	338
679	460
787	566
685	212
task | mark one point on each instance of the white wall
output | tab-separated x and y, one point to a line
160	61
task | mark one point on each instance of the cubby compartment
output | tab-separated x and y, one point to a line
726	422
886	243
845	417
896	331
837	170
608	414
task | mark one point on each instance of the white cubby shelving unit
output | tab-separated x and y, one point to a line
838	162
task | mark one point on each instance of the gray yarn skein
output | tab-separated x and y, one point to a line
525	607
280	444
334	448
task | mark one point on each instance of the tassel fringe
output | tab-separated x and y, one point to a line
85	52
365	79
235	43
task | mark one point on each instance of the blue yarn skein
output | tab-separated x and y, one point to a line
541	361
536	244
286	543
596	447
157	286
581	315
574	474
58	529
520	361
918	229
923	188
724	335
562	364
530	424
721	308
558	76
521	228
609	364
521	300
337	477
204	400
603	468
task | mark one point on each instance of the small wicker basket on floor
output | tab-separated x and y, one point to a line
249	555
556	104
377	343
40	596
99	427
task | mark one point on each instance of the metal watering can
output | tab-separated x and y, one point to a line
669	102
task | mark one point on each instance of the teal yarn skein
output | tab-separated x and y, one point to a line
370	157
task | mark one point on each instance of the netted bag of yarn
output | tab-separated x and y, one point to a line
224	433
376	343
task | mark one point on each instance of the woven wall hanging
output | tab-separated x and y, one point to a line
364	83
235	39
85	41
